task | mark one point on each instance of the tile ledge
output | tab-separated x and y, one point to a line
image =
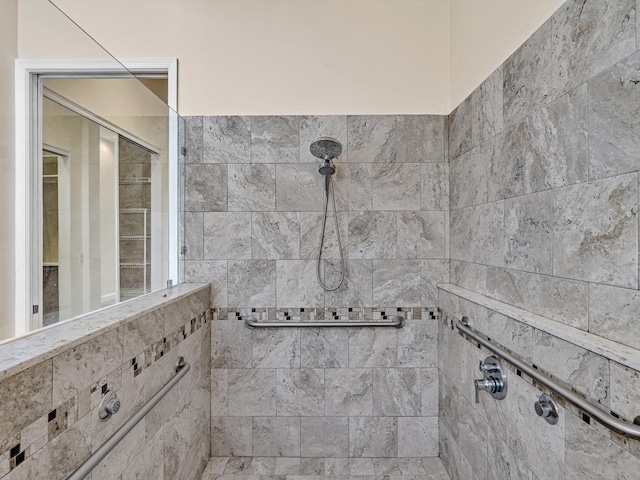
617	352
24	352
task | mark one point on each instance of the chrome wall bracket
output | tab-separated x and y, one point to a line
546	408
494	381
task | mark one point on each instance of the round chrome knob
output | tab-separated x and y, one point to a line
546	408
110	404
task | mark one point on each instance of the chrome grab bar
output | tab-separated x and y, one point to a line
251	322
182	368
608	420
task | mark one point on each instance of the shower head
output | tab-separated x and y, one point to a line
326	148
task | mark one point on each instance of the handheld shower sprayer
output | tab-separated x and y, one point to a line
326	149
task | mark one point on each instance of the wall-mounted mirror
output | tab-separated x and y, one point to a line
96	161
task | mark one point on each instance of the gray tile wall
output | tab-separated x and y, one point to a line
49	422
544	168
506	439
254	202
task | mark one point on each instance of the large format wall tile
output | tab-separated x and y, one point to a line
396	282
460	129
205	188
324	348
275	235
252	283
556	143
396	186
372	235
194	235
252	392
313	127
507	174
418	344
372	347
432	273
310	230
417	436
352	186
397	392
614	130
469	176
356	289
252	188
372	138
275	139
596	231
348	391
300	392
193	139
421	235
487	108
227	235
420	138
276	437
614	313
299	188
231	436
435	186
278	348
213	272
373	436
296	284
477	234
589	36
625	388
324	437
226	140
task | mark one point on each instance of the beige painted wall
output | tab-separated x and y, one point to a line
8	53
483	33
286	56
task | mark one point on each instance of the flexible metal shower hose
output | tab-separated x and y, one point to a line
328	188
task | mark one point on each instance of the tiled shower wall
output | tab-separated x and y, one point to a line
254	201
544	216
49	422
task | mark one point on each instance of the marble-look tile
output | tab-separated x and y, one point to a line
324	348
507	332
418	344
251	465
226	139
528	229
79	367
487	108
352	186
531	438
556	143
275	235
216	465
231	344
276	436
471	276
60	457
373	437
337	465
252	392
205	188
252	188
430	387
194	235
421	235
356	288
129	450
141	333
396	282
386	466
299	188
420	138
252	283
324	437
468	176
149	463
275	139
625	388
418	437
613	135
589	36
454	461
460	129
396	392
434	186
477	234
24	398
504	463
361	466
193	139
396	186
300	392
432	272
596	231
348	391
313	127
231	436
588	454
507	175
296	284
276	348
310	230
583	370
529	81
373	347
219	392
372	235
209	271
372	138
227	235
613	314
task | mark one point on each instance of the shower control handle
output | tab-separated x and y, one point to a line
546	408
494	381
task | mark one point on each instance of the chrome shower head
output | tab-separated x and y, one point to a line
326	148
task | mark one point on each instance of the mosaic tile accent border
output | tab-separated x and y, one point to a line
46	428
341	314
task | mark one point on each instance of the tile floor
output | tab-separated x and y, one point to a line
284	468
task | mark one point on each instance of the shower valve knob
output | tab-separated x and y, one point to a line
494	381
110	405
546	408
